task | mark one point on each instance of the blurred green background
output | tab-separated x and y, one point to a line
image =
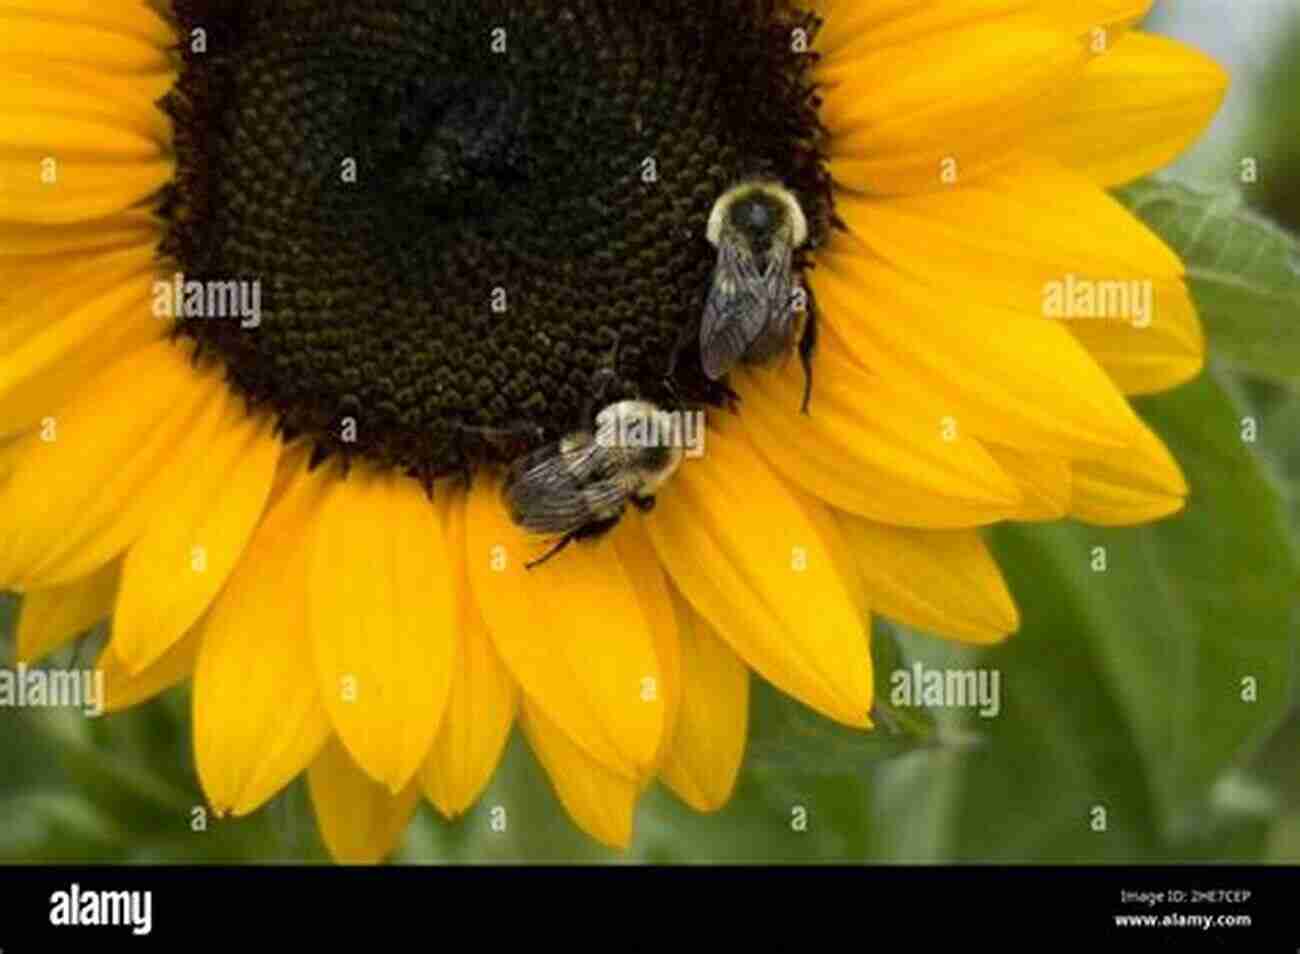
1123	691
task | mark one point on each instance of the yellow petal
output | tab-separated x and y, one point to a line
46	371
72	137
897	124
832	537
1135	109
112	39
865	450
294	457
1112	14
1032	238
1146	357
600	801
861	26
32	90
481	708
753	564
55	288
124	689
258	715
50	617
128	18
1122	489
857	27
131	228
709	742
942	581
572	632
637	553
183	557
361	822
1022	382
1045	483
381	611
86	486
48	188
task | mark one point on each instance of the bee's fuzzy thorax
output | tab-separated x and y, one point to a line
769	187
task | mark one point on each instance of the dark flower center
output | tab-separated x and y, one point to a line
451	210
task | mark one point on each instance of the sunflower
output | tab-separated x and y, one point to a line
287	285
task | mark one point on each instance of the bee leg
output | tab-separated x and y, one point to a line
563	542
589	531
807	346
589	405
644	504
601	382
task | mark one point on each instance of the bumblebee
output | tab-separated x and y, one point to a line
579	487
752	313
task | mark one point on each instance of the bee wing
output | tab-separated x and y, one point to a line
555	491
779	277
773	338
736	310
553	462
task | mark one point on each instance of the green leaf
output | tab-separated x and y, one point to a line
1130	689
1273	137
1284	840
774	816
1244	273
50	825
913	804
785	734
518	819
